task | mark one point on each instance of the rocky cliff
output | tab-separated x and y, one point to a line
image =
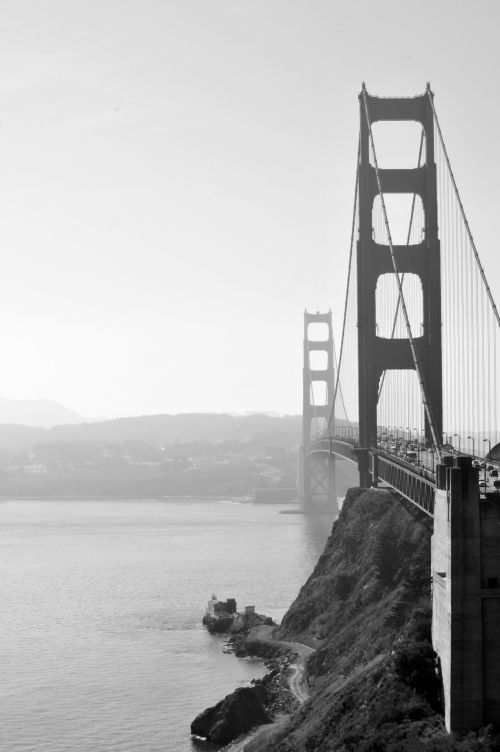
234	715
366	610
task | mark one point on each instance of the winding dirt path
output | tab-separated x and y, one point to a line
298	678
299	688
297	682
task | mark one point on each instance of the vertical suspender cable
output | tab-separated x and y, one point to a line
477	359
468	230
483	344
340	386
470	340
454	315
447	340
488	348
495	416
331	419
463	320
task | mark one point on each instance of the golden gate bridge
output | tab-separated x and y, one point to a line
419	306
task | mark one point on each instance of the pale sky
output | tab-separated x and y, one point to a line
176	184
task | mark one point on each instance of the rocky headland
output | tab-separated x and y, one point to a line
234	715
366	678
223	617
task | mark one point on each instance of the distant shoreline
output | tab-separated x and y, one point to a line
115	497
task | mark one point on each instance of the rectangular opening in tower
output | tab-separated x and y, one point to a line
318	331
406	218
400	411
318	360
389	311
398	143
319	393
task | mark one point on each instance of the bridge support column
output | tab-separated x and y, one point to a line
317	490
300	476
333	504
377	354
363	455
466	597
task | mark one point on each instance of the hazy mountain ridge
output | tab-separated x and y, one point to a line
157	430
193	454
159	455
38	413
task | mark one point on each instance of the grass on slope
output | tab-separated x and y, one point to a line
366	608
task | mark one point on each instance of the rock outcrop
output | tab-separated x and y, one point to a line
366	610
236	714
218	624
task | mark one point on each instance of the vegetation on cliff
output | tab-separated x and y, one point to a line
234	715
366	610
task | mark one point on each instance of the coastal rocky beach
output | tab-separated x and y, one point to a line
356	644
267	700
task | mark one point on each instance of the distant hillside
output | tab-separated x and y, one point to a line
167	429
162	430
40	413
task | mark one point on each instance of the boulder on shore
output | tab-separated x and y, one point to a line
234	715
218	623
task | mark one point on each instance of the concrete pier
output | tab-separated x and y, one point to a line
466	596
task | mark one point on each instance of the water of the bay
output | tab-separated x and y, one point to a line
101	643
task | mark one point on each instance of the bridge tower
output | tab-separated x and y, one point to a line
377	354
316	473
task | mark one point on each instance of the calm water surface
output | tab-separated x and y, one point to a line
101	644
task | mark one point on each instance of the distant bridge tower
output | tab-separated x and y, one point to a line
377	354
317	468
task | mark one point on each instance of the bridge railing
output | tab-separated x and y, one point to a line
415	487
324	443
417	484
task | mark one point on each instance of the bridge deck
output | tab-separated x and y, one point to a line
418	486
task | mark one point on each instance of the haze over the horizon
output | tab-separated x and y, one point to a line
177	178
42	413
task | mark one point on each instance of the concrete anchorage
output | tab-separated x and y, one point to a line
465	567
316	471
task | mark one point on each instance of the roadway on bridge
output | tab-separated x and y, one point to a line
426	460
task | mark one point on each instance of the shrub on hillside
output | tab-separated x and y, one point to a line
343	585
415	660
